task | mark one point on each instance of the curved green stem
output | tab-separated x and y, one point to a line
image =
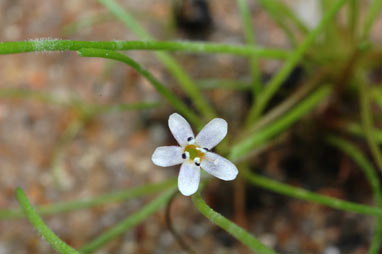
41	227
238	232
249	34
303	194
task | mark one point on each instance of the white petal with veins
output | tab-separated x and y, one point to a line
212	133
188	179
166	156
180	128
219	166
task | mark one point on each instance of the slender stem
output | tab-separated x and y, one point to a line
129	222
249	34
299	193
46	45
353	17
373	179
41	227
170	225
273	85
236	231
171	97
69	206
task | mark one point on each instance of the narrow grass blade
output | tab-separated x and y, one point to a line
70	206
273	85
299	193
129	222
41	227
236	231
249	34
167	94
373	179
353	17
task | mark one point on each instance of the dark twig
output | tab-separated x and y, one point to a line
178	238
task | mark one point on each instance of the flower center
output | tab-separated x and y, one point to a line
194	152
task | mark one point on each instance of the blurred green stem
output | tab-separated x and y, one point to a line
300	193
249	34
353	17
41	227
239	233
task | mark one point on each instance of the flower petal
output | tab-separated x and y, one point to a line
212	133
165	156
219	166
180	128
188	179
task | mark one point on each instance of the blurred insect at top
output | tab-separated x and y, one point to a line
193	18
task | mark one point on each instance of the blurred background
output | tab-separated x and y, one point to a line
52	148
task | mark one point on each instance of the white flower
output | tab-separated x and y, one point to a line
194	153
